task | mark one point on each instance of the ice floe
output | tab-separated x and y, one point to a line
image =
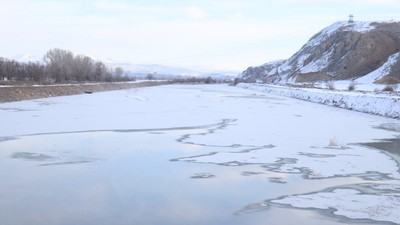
351	203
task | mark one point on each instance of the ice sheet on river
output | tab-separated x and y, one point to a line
353	203
279	134
312	162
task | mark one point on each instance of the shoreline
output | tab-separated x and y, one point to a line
366	102
20	92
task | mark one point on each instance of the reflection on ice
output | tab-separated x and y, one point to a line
279	180
252	208
31	156
251	173
133	179
202	175
390	126
52	158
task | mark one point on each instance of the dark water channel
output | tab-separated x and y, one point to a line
113	177
388	145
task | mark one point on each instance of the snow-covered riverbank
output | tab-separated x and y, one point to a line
362	101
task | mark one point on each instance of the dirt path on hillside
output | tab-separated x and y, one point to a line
18	93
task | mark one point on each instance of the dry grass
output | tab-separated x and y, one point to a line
388	80
333	142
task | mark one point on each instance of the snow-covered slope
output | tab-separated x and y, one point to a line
344	50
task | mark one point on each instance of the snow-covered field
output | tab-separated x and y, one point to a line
364	100
280	136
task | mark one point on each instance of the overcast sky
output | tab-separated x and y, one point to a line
214	34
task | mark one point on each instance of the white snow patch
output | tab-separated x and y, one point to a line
312	161
390	187
358	26
343	85
274	62
279	67
273	71
282	69
301	59
318	65
351	203
325	33
285	67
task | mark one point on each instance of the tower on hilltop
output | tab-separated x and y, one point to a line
351	18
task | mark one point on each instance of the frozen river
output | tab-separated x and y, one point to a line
209	154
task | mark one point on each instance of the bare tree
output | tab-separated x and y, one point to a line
35	72
150	76
3	68
100	71
118	73
83	68
60	64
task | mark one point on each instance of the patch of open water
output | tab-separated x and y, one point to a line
387	145
112	177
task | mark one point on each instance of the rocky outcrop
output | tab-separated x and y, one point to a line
345	50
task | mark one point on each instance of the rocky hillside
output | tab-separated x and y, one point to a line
366	51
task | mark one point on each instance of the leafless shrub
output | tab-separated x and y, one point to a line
390	88
236	81
352	86
330	85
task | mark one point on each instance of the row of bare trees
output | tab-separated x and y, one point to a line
60	66
13	70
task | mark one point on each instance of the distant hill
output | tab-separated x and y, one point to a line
162	70
25	58
364	51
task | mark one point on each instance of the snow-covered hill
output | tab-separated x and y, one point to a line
366	51
162	70
25	58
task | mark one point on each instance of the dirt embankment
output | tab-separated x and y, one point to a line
18	93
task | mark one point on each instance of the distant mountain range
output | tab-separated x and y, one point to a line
361	51
168	70
24	58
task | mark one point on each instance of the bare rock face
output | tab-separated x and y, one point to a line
365	50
